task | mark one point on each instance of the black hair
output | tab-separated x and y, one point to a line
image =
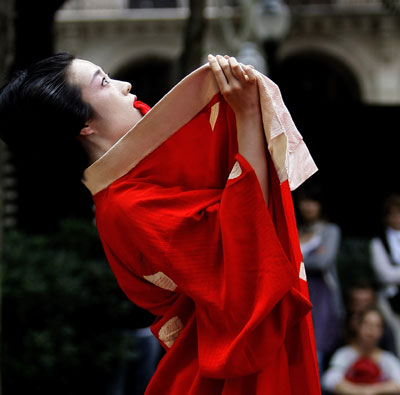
311	191
42	113
362	283
391	202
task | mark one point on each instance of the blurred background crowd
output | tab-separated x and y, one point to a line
65	327
356	309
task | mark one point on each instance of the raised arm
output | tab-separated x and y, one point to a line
238	85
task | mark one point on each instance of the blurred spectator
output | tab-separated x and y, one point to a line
361	367
319	241
136	370
385	259
359	297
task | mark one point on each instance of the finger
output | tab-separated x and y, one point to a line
237	69
218	72
251	73
226	67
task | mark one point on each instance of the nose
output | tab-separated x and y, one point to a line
124	86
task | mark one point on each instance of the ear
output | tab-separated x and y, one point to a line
87	130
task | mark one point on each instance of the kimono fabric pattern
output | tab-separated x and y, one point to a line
188	235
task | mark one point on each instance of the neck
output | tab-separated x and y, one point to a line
96	148
366	349
310	222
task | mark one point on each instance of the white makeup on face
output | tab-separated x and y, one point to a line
110	100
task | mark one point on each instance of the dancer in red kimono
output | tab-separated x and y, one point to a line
194	211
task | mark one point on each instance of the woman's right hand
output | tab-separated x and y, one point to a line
237	83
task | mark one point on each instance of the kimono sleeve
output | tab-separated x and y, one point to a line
219	248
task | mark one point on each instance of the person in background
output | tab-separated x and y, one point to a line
360	296
133	374
385	260
361	367
320	241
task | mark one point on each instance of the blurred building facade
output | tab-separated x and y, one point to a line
361	38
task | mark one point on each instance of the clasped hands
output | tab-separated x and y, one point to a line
237	83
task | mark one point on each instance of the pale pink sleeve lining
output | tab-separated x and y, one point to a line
289	153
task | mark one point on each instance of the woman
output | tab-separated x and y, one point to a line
362	367
385	260
319	241
184	213
385	249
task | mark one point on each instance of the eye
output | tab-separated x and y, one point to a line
105	80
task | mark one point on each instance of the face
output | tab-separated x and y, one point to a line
393	218
309	209
371	329
360	299
110	100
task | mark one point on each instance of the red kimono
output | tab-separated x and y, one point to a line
189	237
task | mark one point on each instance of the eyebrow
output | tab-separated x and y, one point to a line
96	73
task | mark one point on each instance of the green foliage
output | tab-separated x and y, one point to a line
63	313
